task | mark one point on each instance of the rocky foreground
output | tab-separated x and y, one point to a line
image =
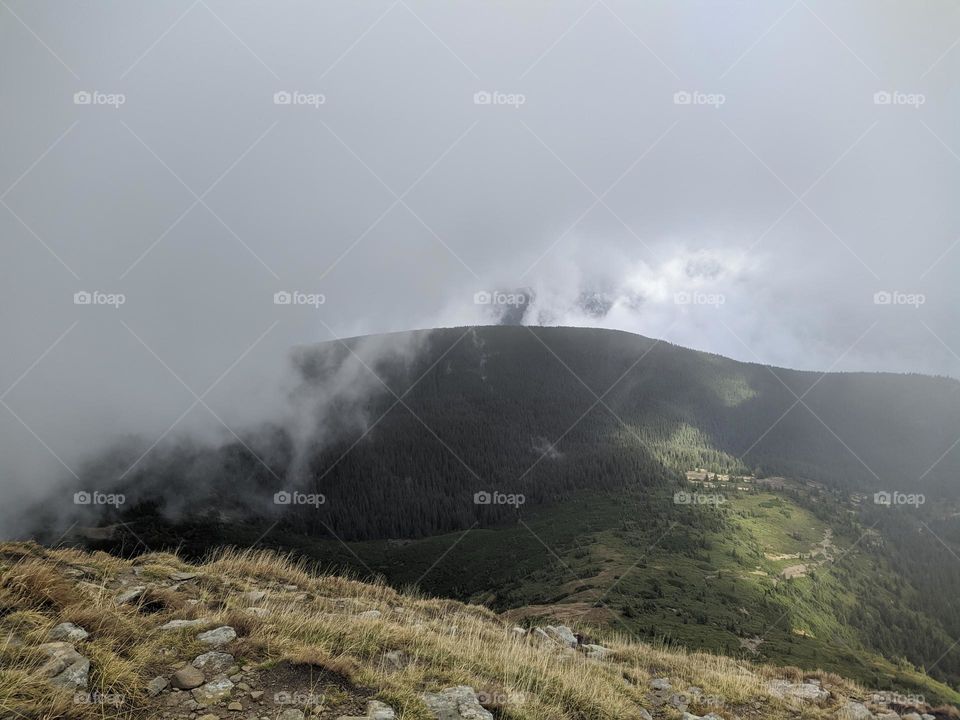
254	637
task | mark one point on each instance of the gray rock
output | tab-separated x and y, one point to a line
69	632
596	652
290	714
854	711
187	678
369	615
377	710
660	684
180	624
806	691
213	692
182	576
65	667
562	634
213	663
157	686
455	703
912	716
518	631
539	634
130	595
254	596
888	715
644	715
218	637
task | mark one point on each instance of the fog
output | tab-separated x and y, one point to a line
772	181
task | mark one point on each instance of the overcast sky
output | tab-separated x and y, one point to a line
720	174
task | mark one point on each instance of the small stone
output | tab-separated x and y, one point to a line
157	686
596	652
236	677
660	684
369	615
187	678
130	595
182	576
519	631
69	632
209	716
65	668
218	636
213	663
377	710
213	692
243	686
290	714
256	694
562	634
235	706
456	703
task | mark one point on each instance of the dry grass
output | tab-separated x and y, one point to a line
314	621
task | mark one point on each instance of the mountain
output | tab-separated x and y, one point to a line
602	477
247	635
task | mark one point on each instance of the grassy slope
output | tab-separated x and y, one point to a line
312	623
606	561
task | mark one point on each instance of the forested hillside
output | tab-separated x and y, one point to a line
544	412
